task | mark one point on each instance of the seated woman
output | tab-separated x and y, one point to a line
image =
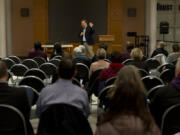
57	50
100	64
137	57
127	113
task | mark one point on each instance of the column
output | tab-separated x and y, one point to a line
151	22
2	29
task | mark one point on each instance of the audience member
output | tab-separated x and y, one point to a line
37	51
112	70
57	50
18	97
100	64
105	47
167	96
64	91
127	113
160	50
137	57
126	54
175	55
81	57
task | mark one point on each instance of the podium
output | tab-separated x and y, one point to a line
107	39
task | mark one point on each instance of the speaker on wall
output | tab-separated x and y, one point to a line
24	12
131	12
164	28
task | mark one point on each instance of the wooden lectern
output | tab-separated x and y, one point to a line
108	39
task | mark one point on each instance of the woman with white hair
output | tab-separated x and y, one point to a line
101	63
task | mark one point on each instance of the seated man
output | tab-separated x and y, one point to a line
17	97
80	56
37	51
175	55
160	50
166	97
58	51
64	91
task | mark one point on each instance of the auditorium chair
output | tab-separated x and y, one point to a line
143	72
49	69
165	66
30	63
11	121
36	72
39	60
33	82
151	81
103	102
167	75
107	60
16	59
56	62
9	63
151	92
110	81
36	93
152	63
76	82
82	72
126	62
57	57
63	119
171	120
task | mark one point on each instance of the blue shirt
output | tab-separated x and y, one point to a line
65	92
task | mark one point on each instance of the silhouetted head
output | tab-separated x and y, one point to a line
37	46
116	57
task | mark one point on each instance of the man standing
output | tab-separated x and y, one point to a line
86	35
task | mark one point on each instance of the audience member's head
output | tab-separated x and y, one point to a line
161	45
127	96
101	54
3	72
77	51
57	48
116	57
177	72
104	46
136	54
66	69
37	46
129	47
84	23
176	48
83	49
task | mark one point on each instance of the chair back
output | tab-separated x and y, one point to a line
36	93
56	62
94	75
33	82
16	59
151	81
39	60
167	75
152	63
110	81
165	66
151	92
36	72
126	62
12	121
57	57
18	69
76	82
161	58
107	60
63	119
48	68
9	63
143	72
30	63
82	72
171	120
